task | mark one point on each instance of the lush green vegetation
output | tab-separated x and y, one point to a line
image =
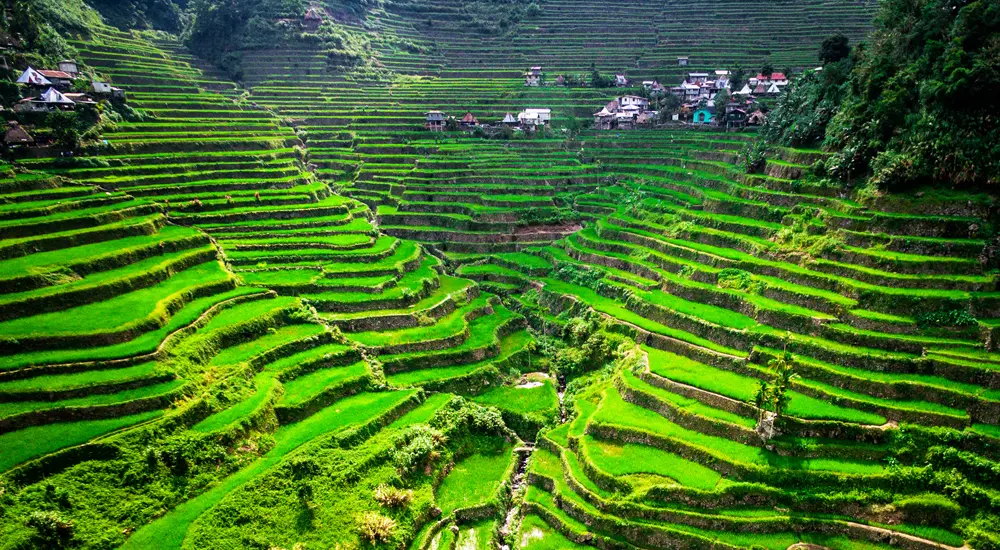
899	108
288	316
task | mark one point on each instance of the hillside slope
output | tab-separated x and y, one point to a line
241	323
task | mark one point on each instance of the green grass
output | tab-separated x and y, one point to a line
475	478
538	400
306	387
36	441
476	536
168	532
628	459
116	312
537	535
145	343
743	388
84	379
264	382
616	411
96	400
283	335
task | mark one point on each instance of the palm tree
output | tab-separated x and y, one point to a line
762	399
784	369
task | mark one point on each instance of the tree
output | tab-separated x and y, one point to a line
573	126
923	98
738	78
65	128
802	113
762	399
667	104
783	368
834	49
772	396
721	99
767	69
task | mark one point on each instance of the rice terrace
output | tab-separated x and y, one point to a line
500	274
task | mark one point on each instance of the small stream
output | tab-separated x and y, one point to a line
519	481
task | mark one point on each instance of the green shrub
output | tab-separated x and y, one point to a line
375	527
417	448
930	509
51	529
946	318
739	280
753	157
392	497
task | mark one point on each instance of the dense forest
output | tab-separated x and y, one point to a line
915	105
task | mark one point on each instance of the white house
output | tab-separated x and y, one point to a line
31	77
50	100
697	78
633	103
689	90
100	87
533	77
621	81
535	117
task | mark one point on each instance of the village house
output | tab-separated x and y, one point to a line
17	135
704	114
633	103
682	61
624	113
687	91
532	118
697	78
313	19
50	100
621	81
34	79
509	120
735	117
107	91
80	99
533	77
772	84
58	79
756	118
604	119
434	121
69	67
469	121
653	87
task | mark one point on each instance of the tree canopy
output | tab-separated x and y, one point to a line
921	102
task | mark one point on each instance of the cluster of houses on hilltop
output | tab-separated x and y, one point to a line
51	90
697	94
528	120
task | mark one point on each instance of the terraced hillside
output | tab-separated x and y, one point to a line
289	316
643	39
